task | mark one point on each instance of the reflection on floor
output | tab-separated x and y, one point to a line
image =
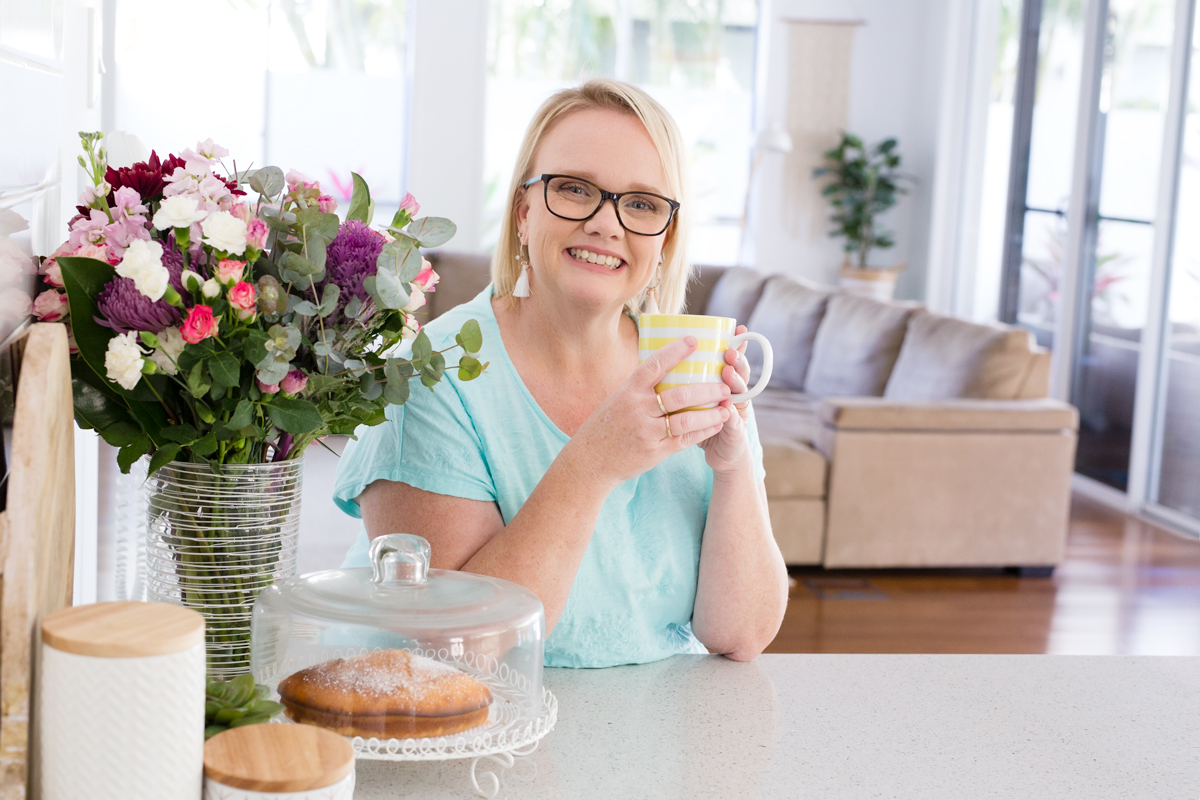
1126	588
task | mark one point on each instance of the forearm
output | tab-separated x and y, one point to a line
543	546
741	594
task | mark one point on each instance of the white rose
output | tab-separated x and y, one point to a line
123	361
142	263
211	288
179	211
223	231
170	345
191	280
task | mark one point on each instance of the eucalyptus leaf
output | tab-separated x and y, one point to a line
272	372
360	200
298	264
391	292
469	368
353	308
404	262
268	181
421	347
369	388
432	231
470	336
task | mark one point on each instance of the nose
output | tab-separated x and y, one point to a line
605	221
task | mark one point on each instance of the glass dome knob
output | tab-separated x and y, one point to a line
400	558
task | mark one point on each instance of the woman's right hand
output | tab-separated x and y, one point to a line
627	434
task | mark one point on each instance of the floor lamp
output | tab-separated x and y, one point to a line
771	139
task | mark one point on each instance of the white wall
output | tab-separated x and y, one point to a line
896	88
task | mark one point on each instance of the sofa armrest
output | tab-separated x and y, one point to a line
880	414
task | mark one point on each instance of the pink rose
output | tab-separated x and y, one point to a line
230	271
50	305
410	204
267	388
199	325
240	211
256	233
426	279
243	297
99	252
294	382
326	204
52	272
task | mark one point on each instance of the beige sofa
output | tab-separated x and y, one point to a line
892	437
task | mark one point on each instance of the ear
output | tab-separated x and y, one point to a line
521	209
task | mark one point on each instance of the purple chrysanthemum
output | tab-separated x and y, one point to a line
350	259
124	309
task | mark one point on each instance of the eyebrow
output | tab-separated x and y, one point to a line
591	176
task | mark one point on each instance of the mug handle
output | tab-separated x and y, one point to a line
768	362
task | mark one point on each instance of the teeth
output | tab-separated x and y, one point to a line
594	258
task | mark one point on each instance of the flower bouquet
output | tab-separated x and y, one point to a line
220	333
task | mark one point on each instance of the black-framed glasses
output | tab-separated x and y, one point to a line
568	197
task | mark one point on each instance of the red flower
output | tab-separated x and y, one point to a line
199	325
145	177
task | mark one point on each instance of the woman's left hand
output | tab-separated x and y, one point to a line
727	450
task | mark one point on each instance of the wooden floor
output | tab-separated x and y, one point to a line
1125	588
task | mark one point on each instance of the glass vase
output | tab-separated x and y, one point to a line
215	540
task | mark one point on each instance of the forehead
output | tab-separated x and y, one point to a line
608	147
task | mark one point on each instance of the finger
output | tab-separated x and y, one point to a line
740	330
697	394
696	437
652	370
690	421
733	379
737	360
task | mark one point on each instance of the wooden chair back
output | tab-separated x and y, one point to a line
37	540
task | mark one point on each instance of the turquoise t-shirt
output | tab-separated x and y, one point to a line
488	440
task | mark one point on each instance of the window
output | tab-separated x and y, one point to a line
695	57
313	85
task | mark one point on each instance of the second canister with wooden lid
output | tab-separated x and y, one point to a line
121	713
273	762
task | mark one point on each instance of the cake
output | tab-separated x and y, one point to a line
389	694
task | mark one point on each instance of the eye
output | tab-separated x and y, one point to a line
641	203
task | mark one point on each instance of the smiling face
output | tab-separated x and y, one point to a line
595	263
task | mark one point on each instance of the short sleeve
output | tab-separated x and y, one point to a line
429	443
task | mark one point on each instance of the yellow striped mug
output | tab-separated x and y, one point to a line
714	335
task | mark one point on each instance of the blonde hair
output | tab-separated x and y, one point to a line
615	96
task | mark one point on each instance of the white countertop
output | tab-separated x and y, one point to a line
852	726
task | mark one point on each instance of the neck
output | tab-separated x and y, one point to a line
567	336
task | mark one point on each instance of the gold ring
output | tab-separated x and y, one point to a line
665	416
669	434
658	397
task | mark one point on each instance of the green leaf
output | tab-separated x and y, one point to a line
163	455
302	266
255	348
390	291
197	383
225	370
293	415
432	231
469	368
395	391
205	446
130	453
268	181
421	347
470	337
94	409
329	299
403	261
360	200
433	371
242	416
122	434
180	434
369	388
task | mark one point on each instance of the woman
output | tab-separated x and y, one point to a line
557	469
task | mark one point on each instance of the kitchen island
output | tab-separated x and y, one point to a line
851	726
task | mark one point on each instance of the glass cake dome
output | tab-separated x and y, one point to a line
366	652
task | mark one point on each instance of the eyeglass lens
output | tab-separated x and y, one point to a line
573	198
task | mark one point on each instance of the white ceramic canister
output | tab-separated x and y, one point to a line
121	714
278	762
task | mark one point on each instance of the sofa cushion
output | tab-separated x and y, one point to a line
856	346
735	294
786	421
943	358
788	315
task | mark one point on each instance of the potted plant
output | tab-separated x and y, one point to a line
862	183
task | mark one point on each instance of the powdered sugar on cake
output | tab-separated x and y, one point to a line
399	673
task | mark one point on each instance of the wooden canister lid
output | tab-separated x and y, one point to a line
278	758
123	630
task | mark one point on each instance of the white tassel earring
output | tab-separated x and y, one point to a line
522	287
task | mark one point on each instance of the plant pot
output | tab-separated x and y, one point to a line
215	540
878	283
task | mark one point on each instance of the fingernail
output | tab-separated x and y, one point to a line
690	341
725	389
